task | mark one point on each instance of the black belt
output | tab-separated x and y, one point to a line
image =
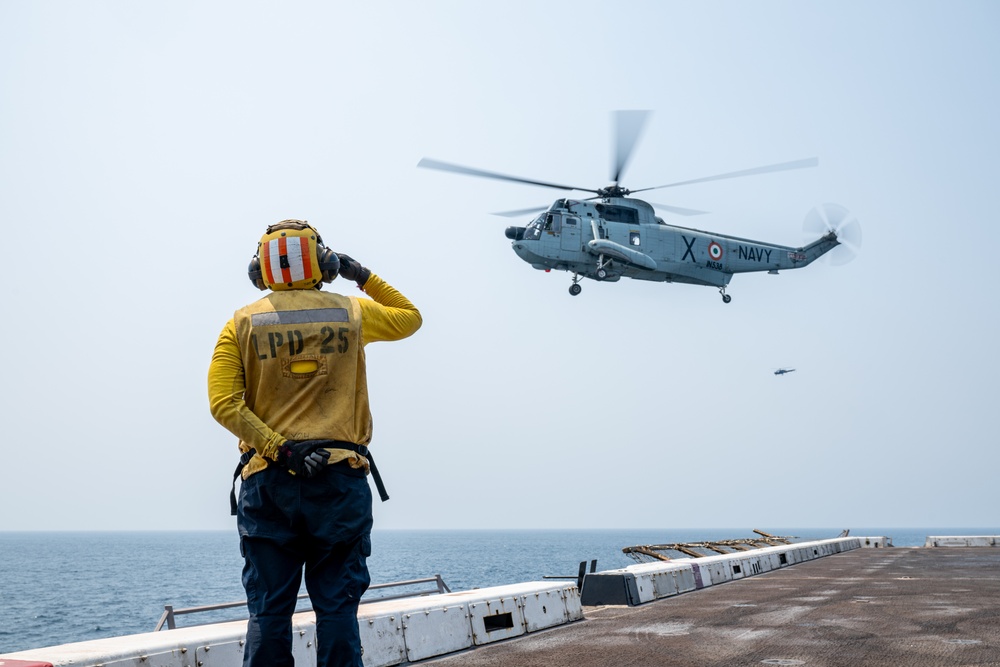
361	450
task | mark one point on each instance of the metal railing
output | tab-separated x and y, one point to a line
169	613
579	576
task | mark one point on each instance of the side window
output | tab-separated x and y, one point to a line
552	223
571	221
618	214
633	238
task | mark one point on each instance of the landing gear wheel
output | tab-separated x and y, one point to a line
726	298
575	289
601	274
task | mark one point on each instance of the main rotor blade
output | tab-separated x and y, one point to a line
628	129
520	212
428	163
677	209
783	166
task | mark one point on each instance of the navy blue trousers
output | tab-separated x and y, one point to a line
323	525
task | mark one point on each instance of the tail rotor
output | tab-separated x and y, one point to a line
835	218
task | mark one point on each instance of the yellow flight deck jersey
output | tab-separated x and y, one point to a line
291	366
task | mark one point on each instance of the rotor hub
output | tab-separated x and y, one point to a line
613	191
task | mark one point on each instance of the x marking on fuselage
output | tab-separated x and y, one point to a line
690	248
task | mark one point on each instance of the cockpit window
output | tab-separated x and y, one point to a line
534	229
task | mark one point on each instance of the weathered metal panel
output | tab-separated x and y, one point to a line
382	640
685	579
645	589
545	609
702	578
574	604
665	584
719	570
230	654
436	631
791	556
495	619
757	564
175	658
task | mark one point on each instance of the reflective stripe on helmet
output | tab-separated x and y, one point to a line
287	260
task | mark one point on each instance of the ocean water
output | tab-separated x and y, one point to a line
75	586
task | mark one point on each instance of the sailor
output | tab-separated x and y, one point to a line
288	379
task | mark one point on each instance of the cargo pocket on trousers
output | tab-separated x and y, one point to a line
357	568
366	546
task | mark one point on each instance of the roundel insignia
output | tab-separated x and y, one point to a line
715	251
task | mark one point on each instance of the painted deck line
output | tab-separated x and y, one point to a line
392	632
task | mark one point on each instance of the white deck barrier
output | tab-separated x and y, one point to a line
638	584
962	541
875	542
392	632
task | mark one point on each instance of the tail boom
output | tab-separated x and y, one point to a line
773	258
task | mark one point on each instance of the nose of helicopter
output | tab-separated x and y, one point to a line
520	245
521	249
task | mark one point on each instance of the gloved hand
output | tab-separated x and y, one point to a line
351	269
303	457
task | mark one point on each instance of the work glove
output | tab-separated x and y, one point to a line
351	269
303	457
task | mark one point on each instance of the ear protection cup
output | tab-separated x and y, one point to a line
329	262
254	272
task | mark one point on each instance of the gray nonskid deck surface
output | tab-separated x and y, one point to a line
893	607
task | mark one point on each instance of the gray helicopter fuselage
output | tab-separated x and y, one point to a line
623	237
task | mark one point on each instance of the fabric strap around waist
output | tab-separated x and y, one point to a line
361	450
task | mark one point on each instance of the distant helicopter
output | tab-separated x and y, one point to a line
782	371
611	236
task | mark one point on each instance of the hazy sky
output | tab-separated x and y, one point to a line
144	147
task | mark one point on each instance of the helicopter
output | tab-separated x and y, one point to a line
611	236
782	371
